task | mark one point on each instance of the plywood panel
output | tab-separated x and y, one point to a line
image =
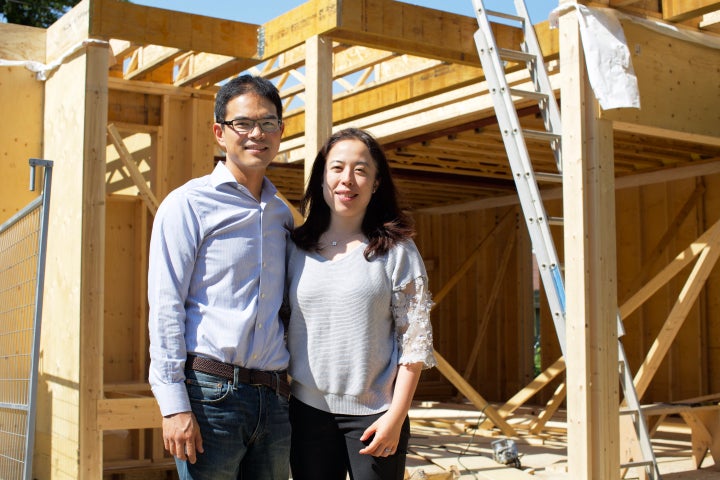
123	272
711	207
21	125
448	240
175	164
630	267
685	356
671	102
21	97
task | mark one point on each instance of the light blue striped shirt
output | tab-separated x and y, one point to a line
215	281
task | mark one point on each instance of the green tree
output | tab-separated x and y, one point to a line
35	13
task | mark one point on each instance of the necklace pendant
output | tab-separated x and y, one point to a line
334	244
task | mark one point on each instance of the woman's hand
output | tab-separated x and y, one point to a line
385	434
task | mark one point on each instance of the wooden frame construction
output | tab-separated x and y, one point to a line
123	104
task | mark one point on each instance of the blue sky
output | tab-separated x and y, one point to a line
264	10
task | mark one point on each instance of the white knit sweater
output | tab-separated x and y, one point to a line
352	323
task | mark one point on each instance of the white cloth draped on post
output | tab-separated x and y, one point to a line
607	56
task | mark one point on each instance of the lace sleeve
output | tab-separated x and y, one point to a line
411	310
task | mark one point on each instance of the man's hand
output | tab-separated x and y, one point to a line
181	436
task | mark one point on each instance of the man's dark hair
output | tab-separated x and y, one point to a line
242	85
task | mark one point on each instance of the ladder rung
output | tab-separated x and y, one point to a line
515	55
629	411
639	463
549	177
509	16
528	94
538	135
556	221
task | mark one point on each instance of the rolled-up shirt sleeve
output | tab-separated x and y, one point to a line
411	310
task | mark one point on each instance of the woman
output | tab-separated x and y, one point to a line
359	331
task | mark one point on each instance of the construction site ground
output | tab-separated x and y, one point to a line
447	444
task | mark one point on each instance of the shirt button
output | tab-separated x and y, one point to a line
262	295
259	325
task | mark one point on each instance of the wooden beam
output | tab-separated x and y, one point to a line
550	408
202	70
151	59
150	88
627	181
425	32
379	98
681	260
670	133
392	26
686	299
184	31
475	398
128	413
137	177
532	388
314	17
711	22
680	10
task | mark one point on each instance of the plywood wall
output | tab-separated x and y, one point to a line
655	223
670	216
21	122
484	325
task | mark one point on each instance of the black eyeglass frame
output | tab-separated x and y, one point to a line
255	123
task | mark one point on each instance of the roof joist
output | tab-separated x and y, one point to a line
680	10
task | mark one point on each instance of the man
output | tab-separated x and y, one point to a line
215	286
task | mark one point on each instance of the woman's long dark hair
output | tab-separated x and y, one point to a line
385	223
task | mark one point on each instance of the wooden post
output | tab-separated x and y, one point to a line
318	97
590	270
76	105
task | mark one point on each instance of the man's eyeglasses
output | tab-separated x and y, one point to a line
247	125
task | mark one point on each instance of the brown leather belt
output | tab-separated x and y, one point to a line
277	381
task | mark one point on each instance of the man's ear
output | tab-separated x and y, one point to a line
219	132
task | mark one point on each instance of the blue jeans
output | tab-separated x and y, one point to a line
245	431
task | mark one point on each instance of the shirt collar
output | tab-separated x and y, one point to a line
221	175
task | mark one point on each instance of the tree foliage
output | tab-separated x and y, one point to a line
35	13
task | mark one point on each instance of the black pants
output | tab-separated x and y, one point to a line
325	446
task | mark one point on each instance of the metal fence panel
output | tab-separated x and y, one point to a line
23	239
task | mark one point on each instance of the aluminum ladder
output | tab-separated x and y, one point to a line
494	61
